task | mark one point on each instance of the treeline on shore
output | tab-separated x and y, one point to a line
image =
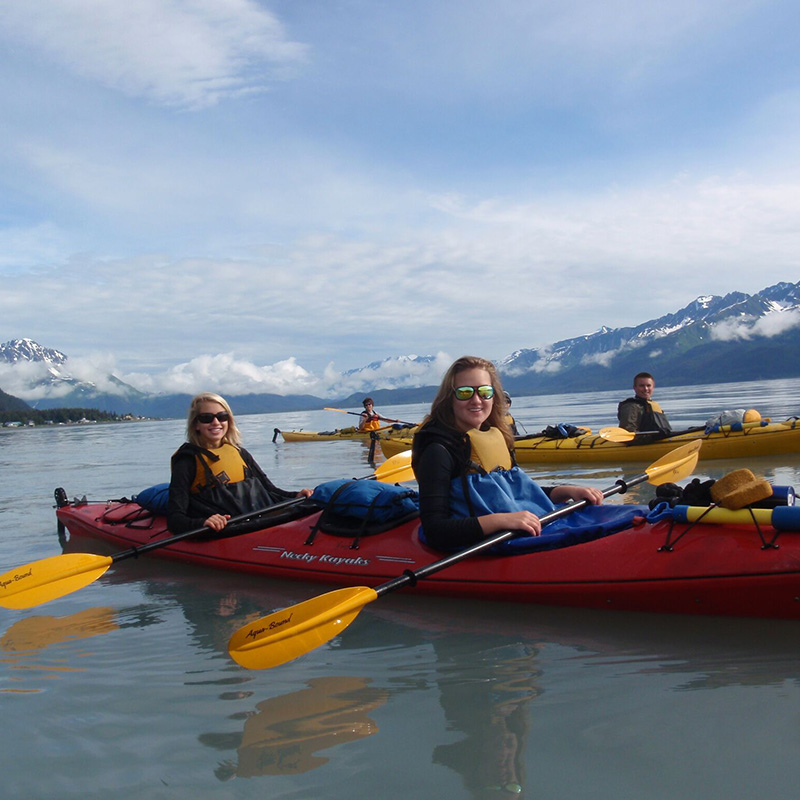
57	416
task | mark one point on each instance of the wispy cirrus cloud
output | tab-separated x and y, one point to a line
453	176
184	53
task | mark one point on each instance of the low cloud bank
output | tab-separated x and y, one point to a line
773	324
223	373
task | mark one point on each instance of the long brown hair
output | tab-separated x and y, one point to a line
442	406
232	435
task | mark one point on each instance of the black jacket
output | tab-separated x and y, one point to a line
637	414
438	455
187	510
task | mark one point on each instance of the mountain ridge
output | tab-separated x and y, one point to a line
714	338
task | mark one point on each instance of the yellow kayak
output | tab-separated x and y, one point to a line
340	434
749	440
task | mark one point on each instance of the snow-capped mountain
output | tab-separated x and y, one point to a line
42	377
708	340
732	337
398	372
18	350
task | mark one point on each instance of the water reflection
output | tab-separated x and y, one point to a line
485	696
32	634
484	662
484	683
28	637
285	733
598	702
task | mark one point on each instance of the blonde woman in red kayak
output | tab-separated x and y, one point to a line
213	477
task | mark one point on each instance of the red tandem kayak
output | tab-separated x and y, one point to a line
727	568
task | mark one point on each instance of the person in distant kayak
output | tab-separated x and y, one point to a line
370	420
641	412
469	486
509	418
213	477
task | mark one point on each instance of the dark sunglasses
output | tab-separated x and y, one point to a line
220	416
465	392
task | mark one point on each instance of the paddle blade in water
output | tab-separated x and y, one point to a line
675	465
45	580
292	632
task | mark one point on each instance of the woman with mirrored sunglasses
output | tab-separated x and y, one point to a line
212	476
469	484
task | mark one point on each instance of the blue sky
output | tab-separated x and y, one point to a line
231	193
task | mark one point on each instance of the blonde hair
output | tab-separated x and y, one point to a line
232	435
442	406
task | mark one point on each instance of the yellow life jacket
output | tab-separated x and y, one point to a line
371	424
489	449
229	468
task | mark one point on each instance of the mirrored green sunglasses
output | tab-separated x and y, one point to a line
465	392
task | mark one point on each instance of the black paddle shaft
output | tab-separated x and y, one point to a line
410	577
146	548
385	419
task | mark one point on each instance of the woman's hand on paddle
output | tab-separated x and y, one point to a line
513	520
305	493
217	521
565	493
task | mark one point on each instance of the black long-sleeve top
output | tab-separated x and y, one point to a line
438	455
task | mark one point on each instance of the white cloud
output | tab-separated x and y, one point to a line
36	380
316	226
601	359
231	376
394	373
548	366
17	379
486	277
223	373
772	324
718	221
546	363
32	381
228	375
185	53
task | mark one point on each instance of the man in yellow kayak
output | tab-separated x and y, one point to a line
641	413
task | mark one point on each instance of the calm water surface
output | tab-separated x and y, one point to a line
125	689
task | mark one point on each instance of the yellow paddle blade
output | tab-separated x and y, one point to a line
45	580
292	632
616	434
675	465
396	469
